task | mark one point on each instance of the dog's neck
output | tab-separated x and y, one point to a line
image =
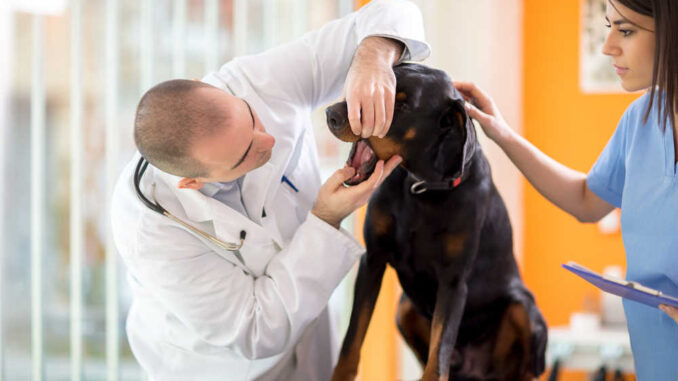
420	186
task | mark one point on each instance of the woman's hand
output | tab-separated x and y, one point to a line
671	311
483	109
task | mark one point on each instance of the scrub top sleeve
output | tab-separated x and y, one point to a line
606	177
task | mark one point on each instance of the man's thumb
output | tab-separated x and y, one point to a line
341	175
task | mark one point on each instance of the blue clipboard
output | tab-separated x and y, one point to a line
629	290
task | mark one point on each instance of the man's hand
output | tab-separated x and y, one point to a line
671	311
336	201
370	86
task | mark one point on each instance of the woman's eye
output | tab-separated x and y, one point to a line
608	26
625	32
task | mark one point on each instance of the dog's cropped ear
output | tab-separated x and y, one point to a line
456	117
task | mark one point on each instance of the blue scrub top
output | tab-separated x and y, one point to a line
637	173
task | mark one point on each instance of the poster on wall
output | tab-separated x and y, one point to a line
596	73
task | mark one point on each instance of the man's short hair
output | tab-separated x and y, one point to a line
169	118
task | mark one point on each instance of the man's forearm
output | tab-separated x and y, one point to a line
379	50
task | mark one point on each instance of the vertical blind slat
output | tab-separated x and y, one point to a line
112	149
270	21
37	194
211	35
239	27
179	40
76	189
301	17
147	51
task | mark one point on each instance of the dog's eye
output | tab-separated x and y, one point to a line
400	106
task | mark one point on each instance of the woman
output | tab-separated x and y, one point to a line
635	172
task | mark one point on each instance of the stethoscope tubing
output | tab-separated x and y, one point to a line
156	207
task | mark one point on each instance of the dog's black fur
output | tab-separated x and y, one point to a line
465	310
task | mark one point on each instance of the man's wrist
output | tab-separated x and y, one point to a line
326	219
379	49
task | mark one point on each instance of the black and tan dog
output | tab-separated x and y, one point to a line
439	221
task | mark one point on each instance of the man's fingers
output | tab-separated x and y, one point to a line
367	117
390	165
379	116
390	104
354	116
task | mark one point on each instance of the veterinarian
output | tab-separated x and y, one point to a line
635	172
232	245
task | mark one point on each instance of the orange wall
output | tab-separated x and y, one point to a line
573	128
569	126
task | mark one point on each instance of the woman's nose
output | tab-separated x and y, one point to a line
610	48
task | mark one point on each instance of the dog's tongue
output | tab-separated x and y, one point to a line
363	159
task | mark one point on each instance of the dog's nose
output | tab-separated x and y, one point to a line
337	116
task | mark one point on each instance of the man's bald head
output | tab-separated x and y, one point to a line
169	119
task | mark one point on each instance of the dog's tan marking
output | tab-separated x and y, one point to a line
514	329
347	135
381	221
411	133
415	329
461	119
431	371
401	96
385	148
454	243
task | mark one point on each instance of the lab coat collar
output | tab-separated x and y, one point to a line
200	207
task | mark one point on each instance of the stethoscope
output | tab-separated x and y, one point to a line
156	207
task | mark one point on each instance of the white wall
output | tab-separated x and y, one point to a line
481	41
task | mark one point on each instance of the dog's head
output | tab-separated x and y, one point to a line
430	130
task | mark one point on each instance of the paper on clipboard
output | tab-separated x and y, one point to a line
629	290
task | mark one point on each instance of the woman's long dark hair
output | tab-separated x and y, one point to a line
665	72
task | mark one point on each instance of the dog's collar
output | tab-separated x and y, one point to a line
421	186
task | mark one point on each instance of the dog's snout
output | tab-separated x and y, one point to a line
337	116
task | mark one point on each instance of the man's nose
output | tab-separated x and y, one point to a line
337	116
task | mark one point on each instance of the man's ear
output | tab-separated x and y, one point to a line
190	183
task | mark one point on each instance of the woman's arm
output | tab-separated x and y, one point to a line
564	187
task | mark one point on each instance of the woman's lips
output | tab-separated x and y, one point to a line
620	70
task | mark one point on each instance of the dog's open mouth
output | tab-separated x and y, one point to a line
363	159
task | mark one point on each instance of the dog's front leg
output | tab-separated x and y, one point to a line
368	283
450	302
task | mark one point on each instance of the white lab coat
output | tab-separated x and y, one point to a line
197	312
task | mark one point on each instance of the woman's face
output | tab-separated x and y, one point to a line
630	43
